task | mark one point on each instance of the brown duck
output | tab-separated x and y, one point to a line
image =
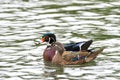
56	52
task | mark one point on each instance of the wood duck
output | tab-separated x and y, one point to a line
73	53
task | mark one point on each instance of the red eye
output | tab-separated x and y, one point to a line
46	37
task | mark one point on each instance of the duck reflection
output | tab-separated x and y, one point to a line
51	71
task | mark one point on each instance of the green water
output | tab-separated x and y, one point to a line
23	21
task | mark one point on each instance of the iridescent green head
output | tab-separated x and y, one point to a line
48	37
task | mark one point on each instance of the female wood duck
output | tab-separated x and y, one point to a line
73	53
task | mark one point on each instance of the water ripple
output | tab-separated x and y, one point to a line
23	21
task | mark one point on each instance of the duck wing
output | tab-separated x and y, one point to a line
85	56
74	56
80	46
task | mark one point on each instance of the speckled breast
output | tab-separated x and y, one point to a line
48	54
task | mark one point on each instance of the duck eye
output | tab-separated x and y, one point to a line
46	37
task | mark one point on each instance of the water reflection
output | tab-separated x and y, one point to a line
23	21
65	72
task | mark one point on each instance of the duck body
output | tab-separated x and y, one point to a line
56	54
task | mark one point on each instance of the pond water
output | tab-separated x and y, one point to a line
23	21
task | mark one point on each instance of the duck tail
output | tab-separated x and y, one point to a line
93	54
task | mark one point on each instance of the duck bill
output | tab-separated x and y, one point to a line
43	39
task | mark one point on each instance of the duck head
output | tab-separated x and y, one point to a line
48	37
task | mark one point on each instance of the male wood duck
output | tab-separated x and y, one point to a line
73	53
